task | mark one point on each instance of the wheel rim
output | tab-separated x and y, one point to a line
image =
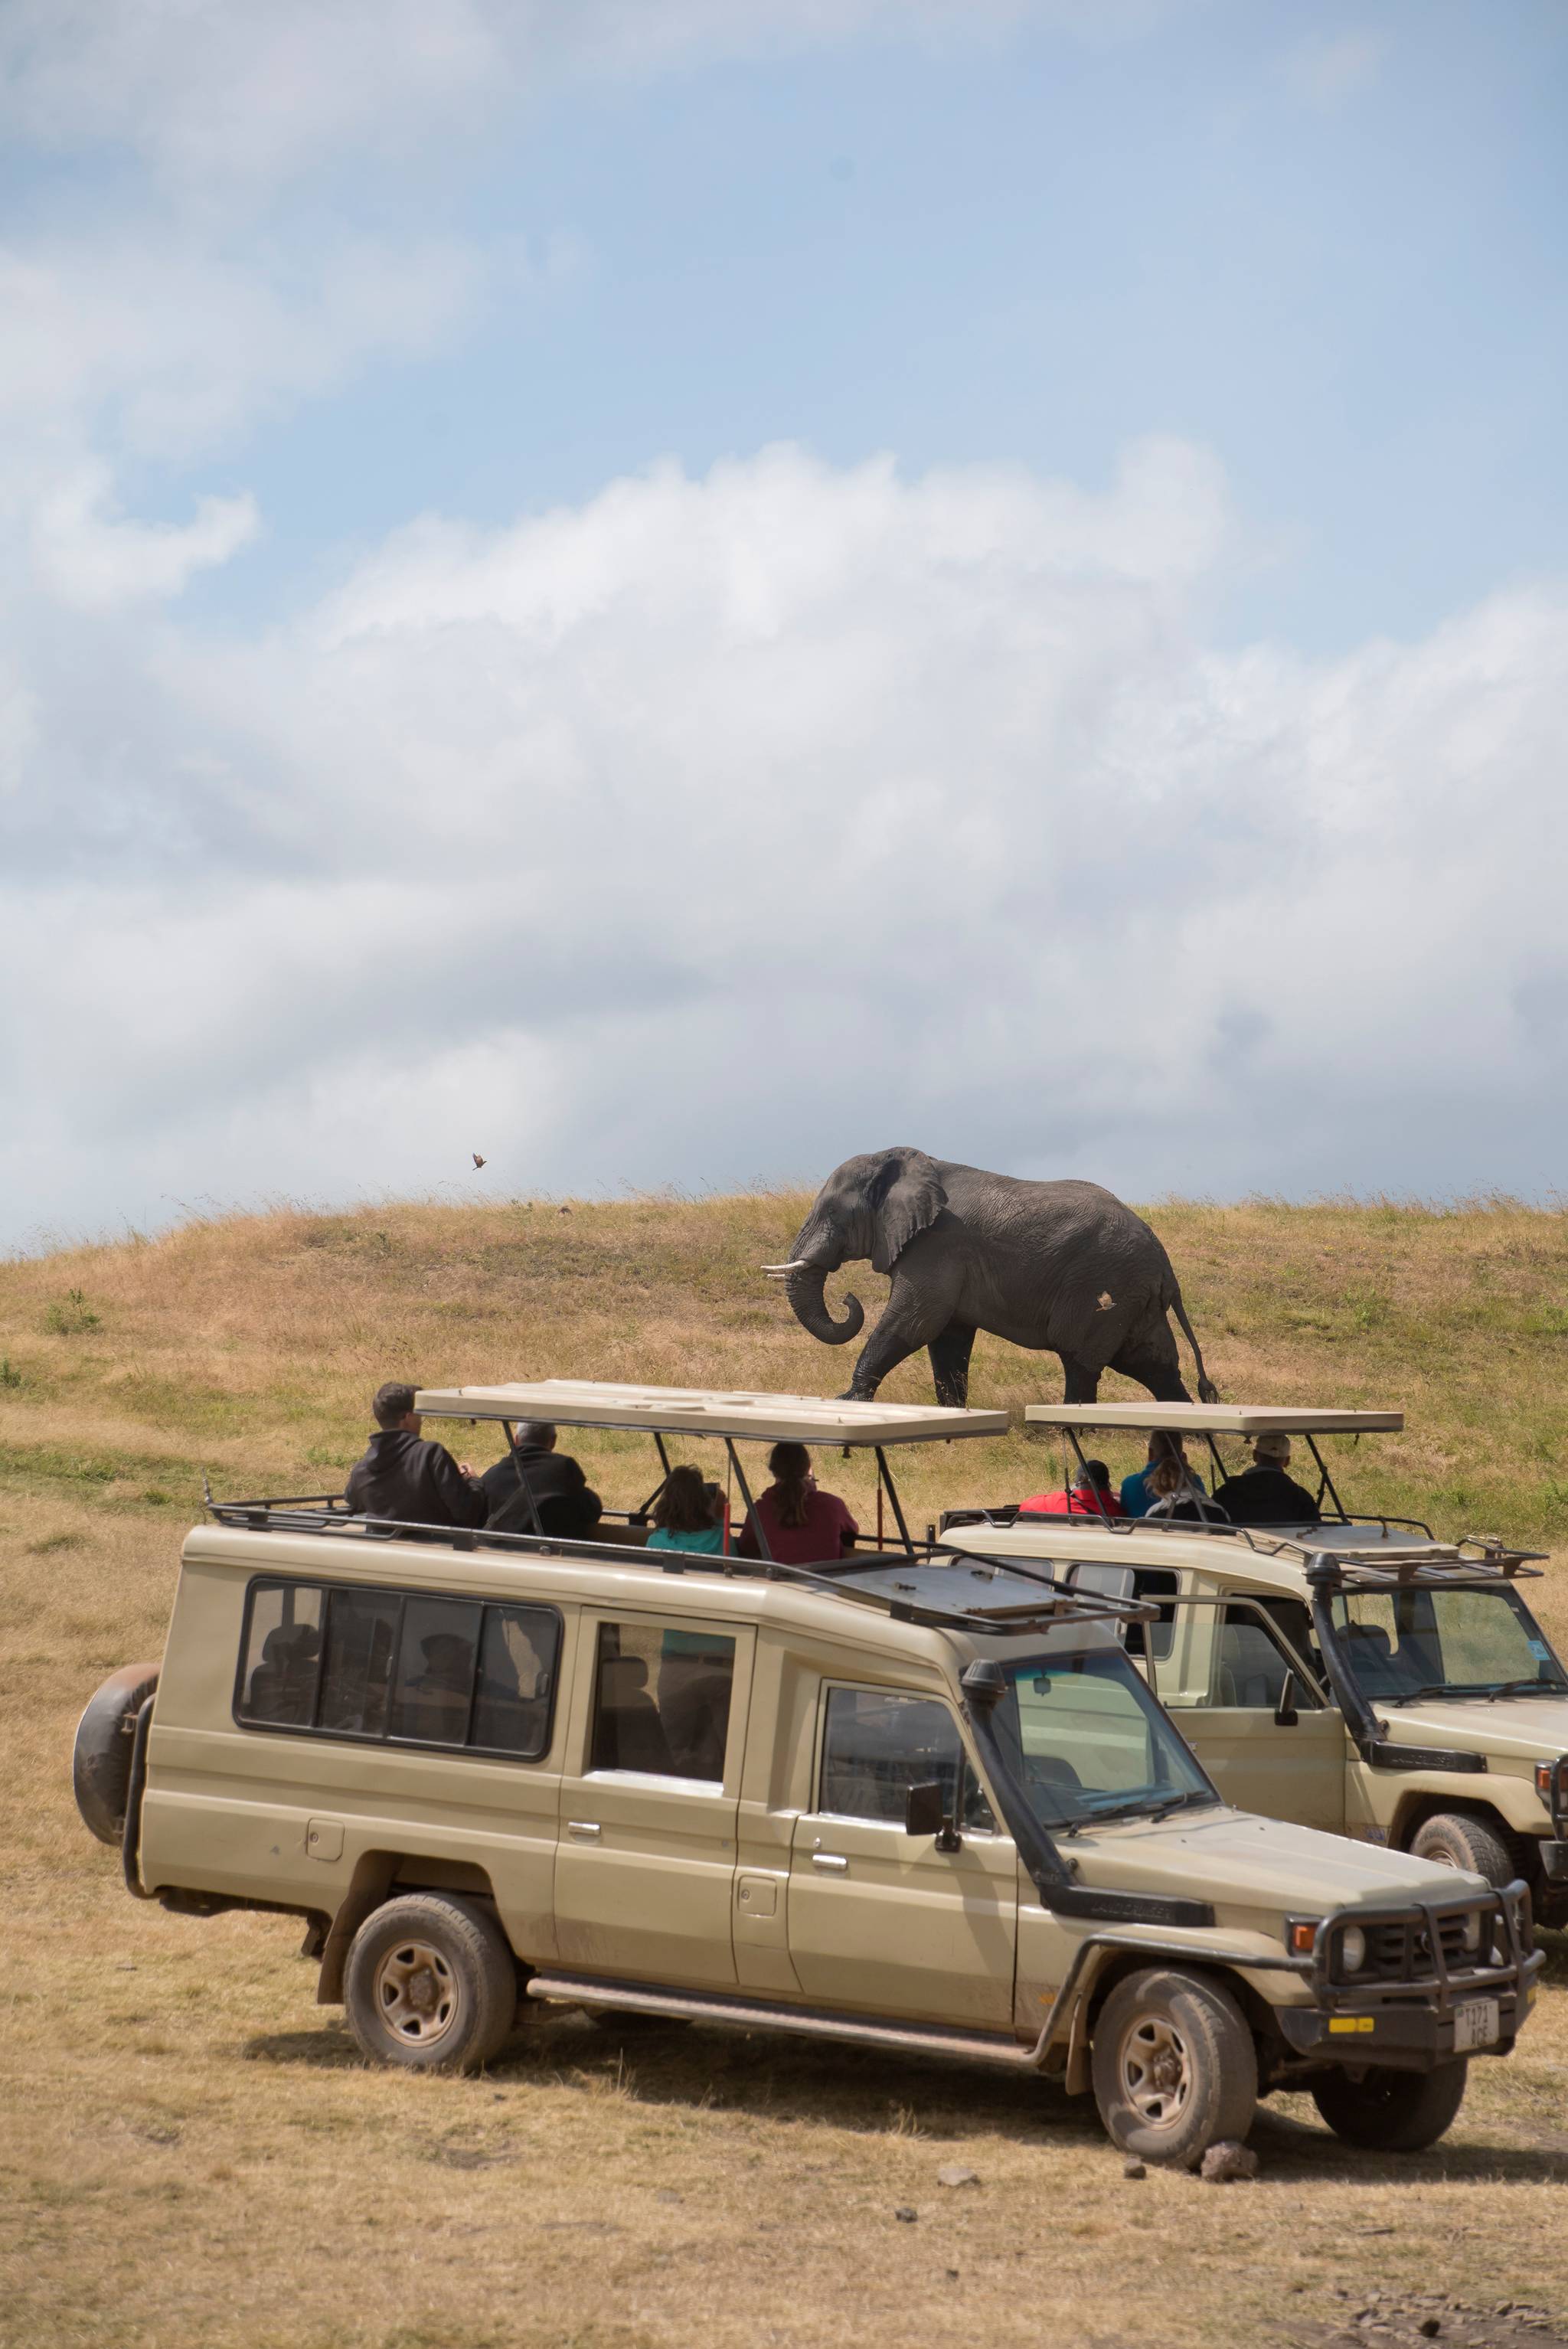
417	1994
1156	2071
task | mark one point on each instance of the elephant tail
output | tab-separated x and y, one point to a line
1207	1390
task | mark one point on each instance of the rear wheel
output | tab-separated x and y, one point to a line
1460	1839
1391	2112
1175	2070
430	1984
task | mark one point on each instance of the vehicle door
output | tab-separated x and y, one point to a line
1253	1710
645	1864
881	1921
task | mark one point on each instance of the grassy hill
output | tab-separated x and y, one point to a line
193	2154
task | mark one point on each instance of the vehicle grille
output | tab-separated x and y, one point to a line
1400	1949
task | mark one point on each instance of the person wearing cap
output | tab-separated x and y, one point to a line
1265	1495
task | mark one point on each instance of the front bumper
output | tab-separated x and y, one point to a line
1411	2024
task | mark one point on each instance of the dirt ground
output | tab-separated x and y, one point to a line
192	2155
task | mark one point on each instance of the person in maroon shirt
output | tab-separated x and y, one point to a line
802	1526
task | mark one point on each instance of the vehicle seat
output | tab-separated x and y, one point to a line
284	1683
1372	1659
628	1733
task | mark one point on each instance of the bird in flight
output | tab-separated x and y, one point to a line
477	1159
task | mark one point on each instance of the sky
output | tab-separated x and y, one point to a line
667	590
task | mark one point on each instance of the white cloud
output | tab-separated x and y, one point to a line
723	826
94	560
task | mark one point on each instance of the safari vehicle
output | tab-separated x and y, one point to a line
1356	1674
928	1806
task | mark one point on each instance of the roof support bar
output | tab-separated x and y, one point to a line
750	1515
885	1473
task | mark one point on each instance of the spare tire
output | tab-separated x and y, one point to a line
100	1764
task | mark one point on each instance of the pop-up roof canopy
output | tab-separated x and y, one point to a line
1213	1418
726	1411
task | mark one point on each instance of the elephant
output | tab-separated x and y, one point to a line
1063	1266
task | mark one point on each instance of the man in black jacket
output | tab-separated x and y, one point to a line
1264	1495
404	1477
568	1508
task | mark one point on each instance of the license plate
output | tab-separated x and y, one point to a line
1475	2023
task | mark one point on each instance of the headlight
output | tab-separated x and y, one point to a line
1470	1936
1352	1948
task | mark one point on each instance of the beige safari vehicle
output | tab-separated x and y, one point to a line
925	1804
1354	1674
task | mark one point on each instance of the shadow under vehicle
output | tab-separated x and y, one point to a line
925	1805
1354	1673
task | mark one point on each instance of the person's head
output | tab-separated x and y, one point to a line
1168	1474
449	1658
1093	1476
790	1465
683	1506
1165	1446
536	1435
394	1406
1271	1451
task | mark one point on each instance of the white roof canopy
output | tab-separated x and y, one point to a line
1213	1418
711	1410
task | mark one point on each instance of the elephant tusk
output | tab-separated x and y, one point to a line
777	1271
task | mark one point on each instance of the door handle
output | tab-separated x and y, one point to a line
585	1830
834	1860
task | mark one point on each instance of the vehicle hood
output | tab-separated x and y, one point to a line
1240	1861
1522	1728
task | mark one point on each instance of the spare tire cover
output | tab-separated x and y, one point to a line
100	1764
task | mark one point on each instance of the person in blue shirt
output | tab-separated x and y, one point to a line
1137	1496
684	1516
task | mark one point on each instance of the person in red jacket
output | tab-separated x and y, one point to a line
1091	1496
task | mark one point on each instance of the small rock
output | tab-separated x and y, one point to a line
1228	2162
1133	2167
952	2275
1428	2328
906	2214
957	2175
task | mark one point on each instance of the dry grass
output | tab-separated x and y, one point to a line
192	2155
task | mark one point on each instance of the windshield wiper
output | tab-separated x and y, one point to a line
1155	1807
1488	1691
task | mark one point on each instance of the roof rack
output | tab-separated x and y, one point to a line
1429	1567
875	1579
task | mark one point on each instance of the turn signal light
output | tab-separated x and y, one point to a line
1303	1939
1551	1775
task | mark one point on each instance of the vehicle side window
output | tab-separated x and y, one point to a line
877	1743
1250	1665
1154	1639
282	1654
356	1675
399	1668
661	1701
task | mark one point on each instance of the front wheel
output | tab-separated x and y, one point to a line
1391	2112
1175	2070
430	1984
1460	1839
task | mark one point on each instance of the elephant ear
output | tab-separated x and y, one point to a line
906	1196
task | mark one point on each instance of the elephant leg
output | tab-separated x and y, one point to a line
1083	1380
950	1355
905	1326
1153	1367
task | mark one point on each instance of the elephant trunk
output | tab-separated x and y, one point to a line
804	1285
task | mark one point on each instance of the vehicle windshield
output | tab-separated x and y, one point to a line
1405	1645
1085	1741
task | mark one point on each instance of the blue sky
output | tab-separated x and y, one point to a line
1329	243
864	557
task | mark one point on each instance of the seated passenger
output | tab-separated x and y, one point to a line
403	1477
1175	1493
803	1526
568	1508
1089	1496
1264	1495
1136	1490
684	1514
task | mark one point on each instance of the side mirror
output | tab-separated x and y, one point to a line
926	1814
1286	1714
